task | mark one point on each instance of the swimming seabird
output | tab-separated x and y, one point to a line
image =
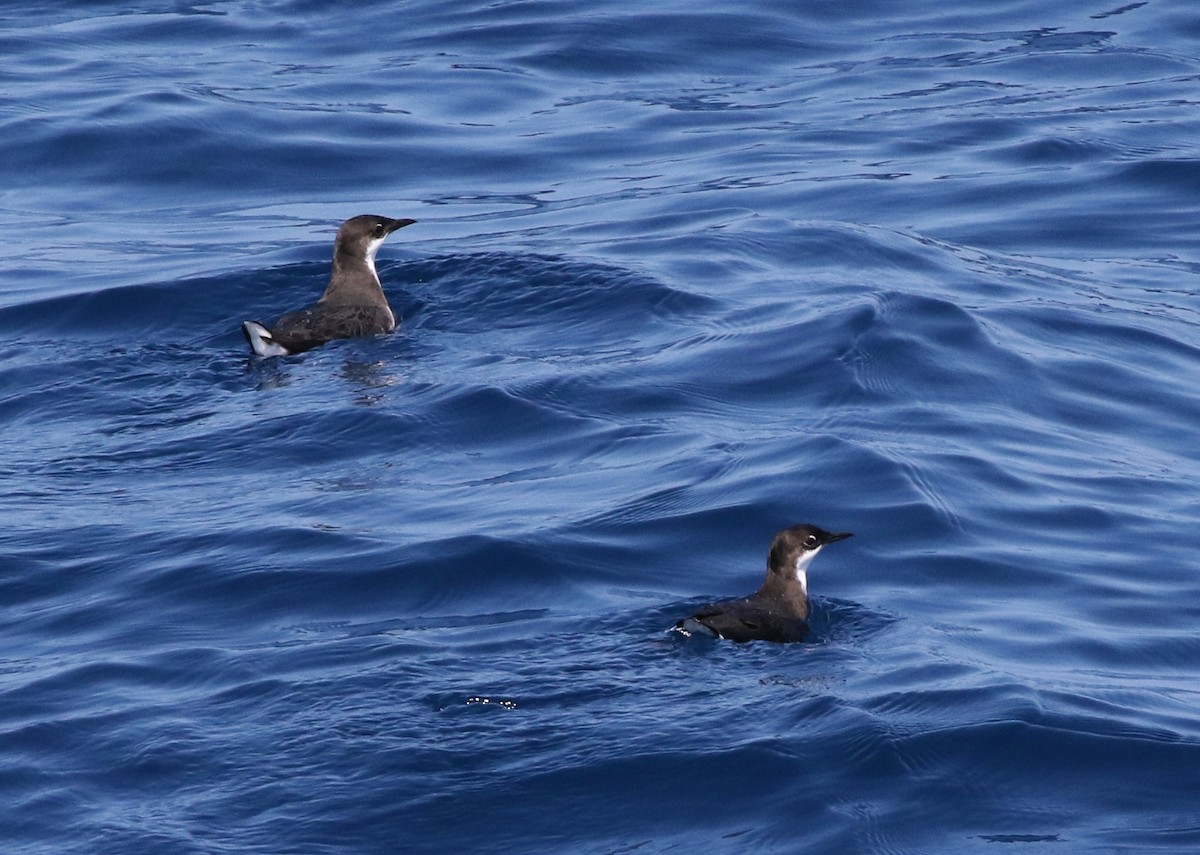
353	303
778	611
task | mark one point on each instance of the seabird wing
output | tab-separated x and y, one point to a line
740	621
304	330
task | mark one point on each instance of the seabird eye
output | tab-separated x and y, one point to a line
810	542
378	230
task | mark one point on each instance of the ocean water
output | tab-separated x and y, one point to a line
684	274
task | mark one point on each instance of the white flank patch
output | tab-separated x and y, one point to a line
261	341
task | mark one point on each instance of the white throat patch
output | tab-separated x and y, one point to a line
372	248
806	557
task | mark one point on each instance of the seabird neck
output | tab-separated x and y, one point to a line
787	592
353	282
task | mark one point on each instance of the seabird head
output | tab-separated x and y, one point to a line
359	238
794	548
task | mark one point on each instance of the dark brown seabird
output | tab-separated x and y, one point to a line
778	611
353	303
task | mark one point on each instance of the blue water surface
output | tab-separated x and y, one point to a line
684	274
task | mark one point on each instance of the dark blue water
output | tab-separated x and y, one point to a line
684	274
